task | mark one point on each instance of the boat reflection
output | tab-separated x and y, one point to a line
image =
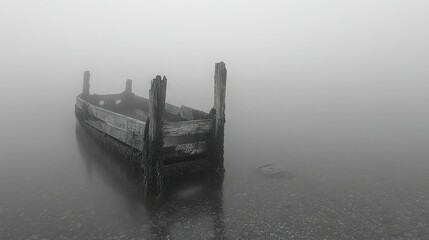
184	204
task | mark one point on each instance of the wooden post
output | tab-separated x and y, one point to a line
127	95
129	86
85	89
155	139
219	94
219	106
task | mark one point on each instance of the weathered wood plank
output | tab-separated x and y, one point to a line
219	106
182	128
187	150
186	113
128	124
157	95
172	109
118	133
129	86
154	163
189	113
86	85
219	94
135	141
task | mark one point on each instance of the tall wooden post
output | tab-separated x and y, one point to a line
127	95
155	139
129	86
85	89
219	106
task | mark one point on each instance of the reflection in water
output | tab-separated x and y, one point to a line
186	201
119	175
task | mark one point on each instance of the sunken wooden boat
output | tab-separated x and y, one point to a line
160	139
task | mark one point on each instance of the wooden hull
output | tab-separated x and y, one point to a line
125	129
160	138
119	148
123	136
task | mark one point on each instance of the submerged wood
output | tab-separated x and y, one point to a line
135	128
187	150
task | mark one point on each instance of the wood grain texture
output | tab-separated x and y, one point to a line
172	109
127	137
154	141
128	86
86	85
131	125
183	128
219	106
220	93
189	113
157	96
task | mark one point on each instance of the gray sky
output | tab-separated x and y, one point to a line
288	44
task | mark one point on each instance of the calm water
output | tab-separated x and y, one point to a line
353	171
334	94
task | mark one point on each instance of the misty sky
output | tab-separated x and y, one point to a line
343	50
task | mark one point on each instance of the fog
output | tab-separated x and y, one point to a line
333	92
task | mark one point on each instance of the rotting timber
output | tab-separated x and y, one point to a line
159	139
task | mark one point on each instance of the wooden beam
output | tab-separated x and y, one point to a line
131	125
219	108
153	164
127	95
129	86
125	136
86	85
157	95
172	109
188	113
184	128
219	94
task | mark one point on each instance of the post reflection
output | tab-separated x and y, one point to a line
190	207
